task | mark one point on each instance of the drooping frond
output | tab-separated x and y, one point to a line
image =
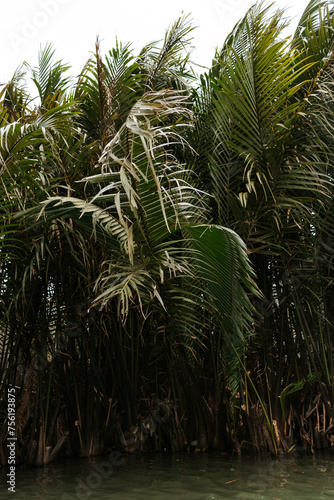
224	267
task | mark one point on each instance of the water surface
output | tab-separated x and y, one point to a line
189	477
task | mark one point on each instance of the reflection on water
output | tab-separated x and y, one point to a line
189	477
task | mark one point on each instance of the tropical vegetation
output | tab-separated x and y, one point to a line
166	245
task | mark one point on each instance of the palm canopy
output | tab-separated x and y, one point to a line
142	206
125	225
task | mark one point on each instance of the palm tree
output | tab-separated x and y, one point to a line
105	309
265	111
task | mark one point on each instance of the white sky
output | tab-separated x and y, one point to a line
72	26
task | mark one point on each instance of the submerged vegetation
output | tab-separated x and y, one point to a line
166	245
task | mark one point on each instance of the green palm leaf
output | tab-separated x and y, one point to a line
224	267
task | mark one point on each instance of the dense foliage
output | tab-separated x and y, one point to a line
166	245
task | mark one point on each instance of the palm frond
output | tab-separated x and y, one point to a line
48	77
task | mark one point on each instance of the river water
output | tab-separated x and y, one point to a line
189	477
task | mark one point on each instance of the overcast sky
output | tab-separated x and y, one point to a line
72	26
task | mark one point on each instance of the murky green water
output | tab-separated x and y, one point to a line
189	477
